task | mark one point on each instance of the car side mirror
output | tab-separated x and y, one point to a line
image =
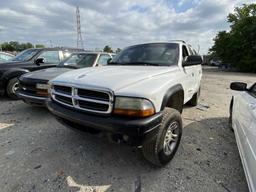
109	60
238	86
39	61
192	60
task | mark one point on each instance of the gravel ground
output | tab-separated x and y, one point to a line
39	154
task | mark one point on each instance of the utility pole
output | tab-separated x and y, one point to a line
79	33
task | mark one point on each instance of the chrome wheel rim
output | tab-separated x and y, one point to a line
171	138
15	87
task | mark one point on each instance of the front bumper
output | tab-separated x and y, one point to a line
28	91
138	129
32	100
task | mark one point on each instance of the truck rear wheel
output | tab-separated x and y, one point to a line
161	148
12	87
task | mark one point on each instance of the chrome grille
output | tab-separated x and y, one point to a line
86	99
63	89
85	93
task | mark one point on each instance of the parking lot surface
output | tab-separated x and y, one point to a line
39	154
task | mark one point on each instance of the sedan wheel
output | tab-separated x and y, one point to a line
12	88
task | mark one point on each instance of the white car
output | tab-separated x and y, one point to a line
137	98
4	57
243	122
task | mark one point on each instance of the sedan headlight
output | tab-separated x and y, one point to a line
50	88
136	107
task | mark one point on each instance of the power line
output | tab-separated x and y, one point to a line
79	33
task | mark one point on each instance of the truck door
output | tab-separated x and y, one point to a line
189	77
197	71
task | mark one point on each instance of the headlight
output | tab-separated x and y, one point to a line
136	107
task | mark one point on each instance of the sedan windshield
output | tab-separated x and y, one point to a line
79	60
159	54
25	55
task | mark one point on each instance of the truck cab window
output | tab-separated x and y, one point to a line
184	52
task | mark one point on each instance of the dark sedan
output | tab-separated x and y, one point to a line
33	86
26	61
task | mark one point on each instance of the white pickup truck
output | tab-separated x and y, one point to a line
136	99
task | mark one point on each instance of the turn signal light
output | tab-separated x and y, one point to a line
134	113
42	93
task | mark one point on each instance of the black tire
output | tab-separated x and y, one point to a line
194	101
230	115
154	149
11	88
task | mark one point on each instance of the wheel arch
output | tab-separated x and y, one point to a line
174	98
10	74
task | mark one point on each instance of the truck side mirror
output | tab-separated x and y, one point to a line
39	61
238	86
192	60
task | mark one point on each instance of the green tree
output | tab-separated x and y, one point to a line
238	46
40	46
7	47
24	46
108	49
15	46
118	50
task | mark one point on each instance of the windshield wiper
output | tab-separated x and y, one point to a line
68	66
115	63
134	63
141	63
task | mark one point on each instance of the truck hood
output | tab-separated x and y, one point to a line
46	74
112	77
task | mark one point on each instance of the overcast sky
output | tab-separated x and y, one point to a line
117	23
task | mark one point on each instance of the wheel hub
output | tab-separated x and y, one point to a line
15	87
171	138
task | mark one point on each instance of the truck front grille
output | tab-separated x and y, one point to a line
85	93
63	99
63	89
85	99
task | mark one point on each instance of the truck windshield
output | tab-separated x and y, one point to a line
159	54
79	60
25	55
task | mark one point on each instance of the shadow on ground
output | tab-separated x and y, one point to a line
42	155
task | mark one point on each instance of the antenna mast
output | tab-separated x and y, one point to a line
79	33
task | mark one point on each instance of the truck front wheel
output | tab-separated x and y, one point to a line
161	148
